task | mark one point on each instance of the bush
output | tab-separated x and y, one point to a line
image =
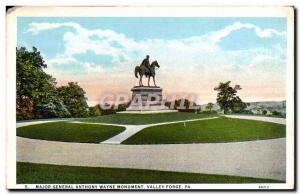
53	110
121	107
108	111
94	111
245	112
276	113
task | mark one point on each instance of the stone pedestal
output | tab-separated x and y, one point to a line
146	99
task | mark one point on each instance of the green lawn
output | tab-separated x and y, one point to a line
208	131
29	173
69	132
141	119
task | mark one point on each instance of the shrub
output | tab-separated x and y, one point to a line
94	111
246	112
276	113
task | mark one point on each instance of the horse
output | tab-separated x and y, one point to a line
143	70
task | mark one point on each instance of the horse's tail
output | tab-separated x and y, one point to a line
136	70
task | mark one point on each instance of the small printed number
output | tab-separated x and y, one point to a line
263	187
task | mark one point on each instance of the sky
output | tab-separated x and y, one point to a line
195	54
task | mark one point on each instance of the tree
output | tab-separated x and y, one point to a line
35	88
209	106
37	94
237	105
73	96
264	112
227	98
24	108
94	111
181	104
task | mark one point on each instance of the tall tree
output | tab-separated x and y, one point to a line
34	87
37	94
237	105
73	97
227	97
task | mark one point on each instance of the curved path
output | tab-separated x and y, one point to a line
133	129
261	159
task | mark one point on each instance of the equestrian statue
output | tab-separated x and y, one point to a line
146	69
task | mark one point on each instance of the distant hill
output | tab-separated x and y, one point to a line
259	107
279	106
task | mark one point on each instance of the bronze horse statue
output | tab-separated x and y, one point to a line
143	70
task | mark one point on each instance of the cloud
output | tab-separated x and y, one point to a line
92	68
266	33
195	64
36	27
60	60
191	50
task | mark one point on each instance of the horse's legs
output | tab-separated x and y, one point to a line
154	81
149	81
141	80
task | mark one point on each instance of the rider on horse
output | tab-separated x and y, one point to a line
146	63
146	69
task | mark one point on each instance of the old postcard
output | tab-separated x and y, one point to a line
150	98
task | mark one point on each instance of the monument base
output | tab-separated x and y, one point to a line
147	99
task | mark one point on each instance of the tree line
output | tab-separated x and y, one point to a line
37	94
